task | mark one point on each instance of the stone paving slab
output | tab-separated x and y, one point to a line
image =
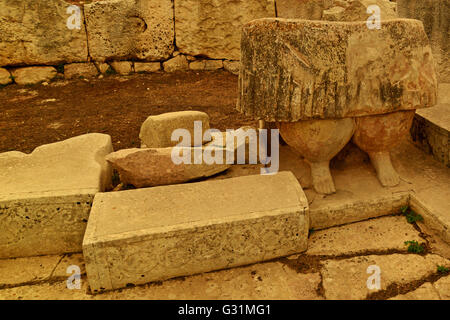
347	278
46	196
383	234
271	281
144	235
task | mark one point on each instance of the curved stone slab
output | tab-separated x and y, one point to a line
301	70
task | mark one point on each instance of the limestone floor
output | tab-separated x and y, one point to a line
334	267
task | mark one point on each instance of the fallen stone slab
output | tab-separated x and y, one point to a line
130	29
37	32
347	279
357	72
33	75
151	234
156	131
383	234
46	196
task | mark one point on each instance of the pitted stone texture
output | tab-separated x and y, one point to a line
46	196
130	29
347	279
33	75
207	226
302	9
77	70
212	28
299	69
383	234
357	10
36	32
5	77
156	131
435	15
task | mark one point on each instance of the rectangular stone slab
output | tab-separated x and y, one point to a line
143	235
46	196
295	70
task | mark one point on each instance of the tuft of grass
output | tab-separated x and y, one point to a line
415	247
410	215
442	269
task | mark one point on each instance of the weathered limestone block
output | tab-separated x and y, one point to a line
76	70
33	75
156	131
302	9
300	69
36	32
102	67
46	196
232	66
176	64
435	15
122	67
207	65
356	10
147	66
130	29
5	77
151	234
212	28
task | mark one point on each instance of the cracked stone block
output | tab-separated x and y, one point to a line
46	195
294	70
151	234
383	234
130	29
435	15
347	278
36	32
212	28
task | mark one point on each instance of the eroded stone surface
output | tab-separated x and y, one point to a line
122	67
156	131
147	66
36	32
46	195
382	234
155	236
178	63
357	10
435	15
127	29
212	28
232	66
206	65
77	70
302	9
5	77
424	292
33	75
321	69
347	279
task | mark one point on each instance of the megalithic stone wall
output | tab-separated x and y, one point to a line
37	32
435	15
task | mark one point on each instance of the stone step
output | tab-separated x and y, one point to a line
151	234
46	196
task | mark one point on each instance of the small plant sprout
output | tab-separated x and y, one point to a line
410	215
414	247
442	269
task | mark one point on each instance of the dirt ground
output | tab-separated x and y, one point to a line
116	105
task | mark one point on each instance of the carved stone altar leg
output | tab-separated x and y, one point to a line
318	141
378	135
